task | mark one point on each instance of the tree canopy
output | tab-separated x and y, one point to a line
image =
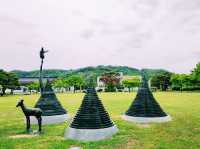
8	81
187	82
133	82
111	80
75	81
34	86
161	80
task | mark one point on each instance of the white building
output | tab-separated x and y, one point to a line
22	90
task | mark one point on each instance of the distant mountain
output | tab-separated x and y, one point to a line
153	72
36	73
87	71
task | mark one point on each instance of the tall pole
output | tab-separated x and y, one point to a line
42	52
41	83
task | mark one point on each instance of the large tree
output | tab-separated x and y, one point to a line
182	82
111	80
130	83
161	81
34	86
196	75
60	83
8	81
76	81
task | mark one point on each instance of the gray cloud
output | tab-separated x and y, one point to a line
137	33
87	34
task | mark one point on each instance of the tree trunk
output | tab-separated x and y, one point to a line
3	91
74	89
11	92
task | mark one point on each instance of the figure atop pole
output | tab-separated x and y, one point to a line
42	56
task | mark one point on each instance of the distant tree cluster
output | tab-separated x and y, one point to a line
161	81
8	81
187	82
131	83
82	78
178	82
111	81
87	71
33	86
68	81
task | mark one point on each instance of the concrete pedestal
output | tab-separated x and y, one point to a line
90	134
147	119
55	119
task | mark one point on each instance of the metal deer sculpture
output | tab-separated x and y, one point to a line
37	112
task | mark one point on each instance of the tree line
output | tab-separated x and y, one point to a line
162	80
177	82
8	80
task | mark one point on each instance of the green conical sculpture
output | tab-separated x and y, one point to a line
53	112
91	122
145	108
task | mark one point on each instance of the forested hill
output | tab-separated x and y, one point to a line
95	71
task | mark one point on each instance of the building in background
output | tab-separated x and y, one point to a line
101	86
27	80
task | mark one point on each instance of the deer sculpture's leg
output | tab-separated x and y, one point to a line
40	123
28	123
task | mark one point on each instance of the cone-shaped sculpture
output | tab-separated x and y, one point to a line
145	108
53	112
91	122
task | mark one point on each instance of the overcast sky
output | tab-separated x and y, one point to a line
137	33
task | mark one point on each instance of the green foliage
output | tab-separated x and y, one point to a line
196	75
187	82
110	88
75	80
12	81
133	82
87	71
8	81
36	73
181	133
161	81
89	74
111	81
183	82
68	81
34	86
153	72
60	83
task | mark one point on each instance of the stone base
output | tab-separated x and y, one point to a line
55	119
90	134
147	119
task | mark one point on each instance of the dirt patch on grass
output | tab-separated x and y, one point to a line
117	117
75	147
129	145
143	125
22	136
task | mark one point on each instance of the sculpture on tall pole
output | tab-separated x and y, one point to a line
53	112
42	52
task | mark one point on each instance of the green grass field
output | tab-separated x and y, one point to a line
182	133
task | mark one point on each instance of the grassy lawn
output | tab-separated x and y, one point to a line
182	133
